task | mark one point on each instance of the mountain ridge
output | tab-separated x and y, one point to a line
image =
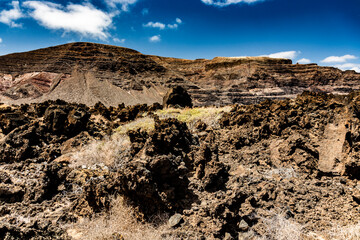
115	75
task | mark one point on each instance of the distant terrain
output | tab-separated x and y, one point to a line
88	73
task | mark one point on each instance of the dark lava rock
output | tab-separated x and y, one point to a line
177	97
169	136
66	120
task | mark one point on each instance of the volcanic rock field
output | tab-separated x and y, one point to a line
103	142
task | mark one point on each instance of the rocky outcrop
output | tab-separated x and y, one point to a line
295	158
88	73
177	97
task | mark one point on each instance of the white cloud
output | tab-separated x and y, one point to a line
162	26
83	19
304	61
287	54
124	3
173	26
223	3
10	16
156	38
1	40
159	25
338	59
349	66
356	69
117	40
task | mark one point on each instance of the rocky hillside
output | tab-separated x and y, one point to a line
281	169
88	73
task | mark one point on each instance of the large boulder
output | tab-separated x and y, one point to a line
177	97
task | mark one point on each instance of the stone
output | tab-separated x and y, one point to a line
243	226
175	220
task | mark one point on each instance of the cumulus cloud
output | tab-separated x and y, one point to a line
10	16
163	26
156	38
349	66
304	61
338	59
287	54
224	3
83	19
124	3
159	25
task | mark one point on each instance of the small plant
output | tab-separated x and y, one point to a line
283	172
106	151
121	222
209	115
349	232
280	227
146	123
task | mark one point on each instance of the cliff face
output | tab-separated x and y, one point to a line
88	73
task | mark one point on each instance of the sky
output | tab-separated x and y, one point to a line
326	32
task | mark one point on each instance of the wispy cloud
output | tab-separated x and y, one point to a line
117	40
159	25
339	59
10	16
304	61
156	38
224	3
163	26
145	11
287	54
123	3
1	40
83	19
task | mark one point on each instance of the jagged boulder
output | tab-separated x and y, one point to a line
177	97
169	136
66	119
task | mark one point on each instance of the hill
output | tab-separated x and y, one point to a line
88	73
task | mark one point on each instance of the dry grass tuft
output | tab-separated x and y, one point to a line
281	228
349	232
209	115
146	123
283	172
121	221
106	151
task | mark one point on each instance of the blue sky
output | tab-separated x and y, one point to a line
326	32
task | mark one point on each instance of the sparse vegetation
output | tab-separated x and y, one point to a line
120	222
284	172
280	227
209	115
146	123
106	151
349	232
